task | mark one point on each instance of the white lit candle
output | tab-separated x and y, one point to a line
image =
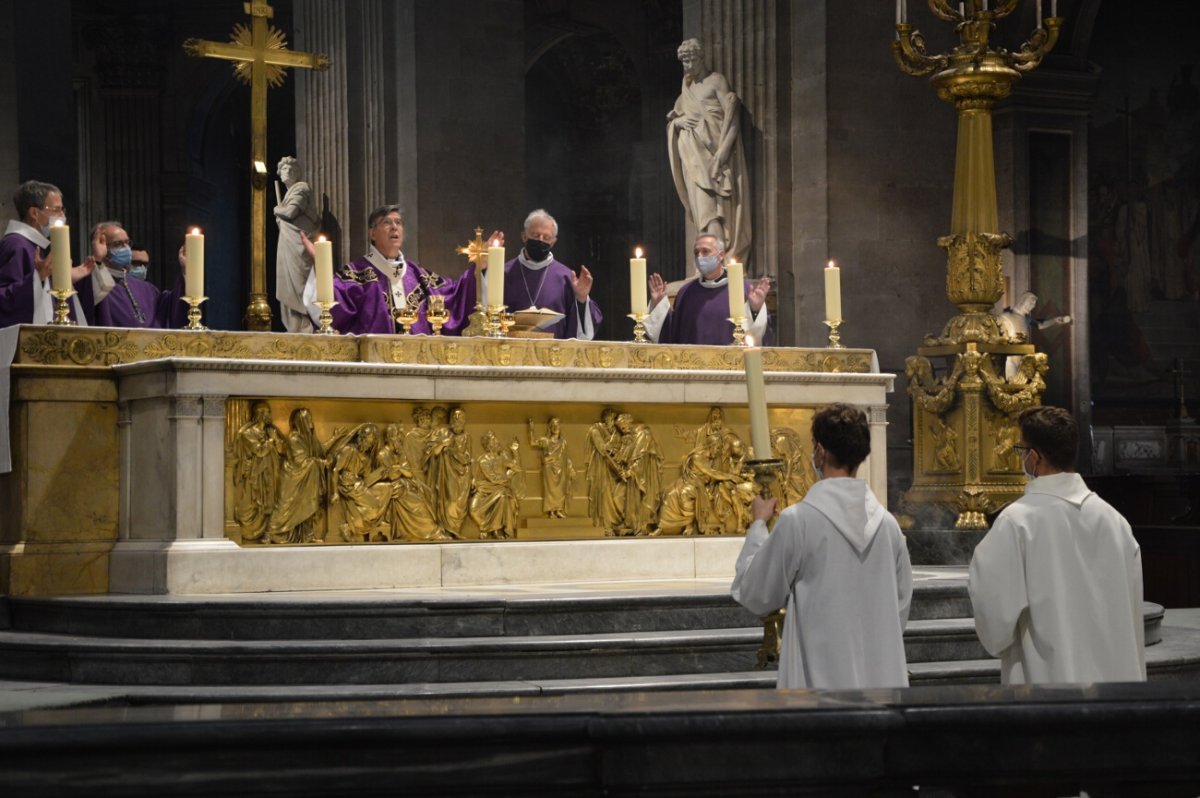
833	292
60	256
324	265
737	289
1054	8
1038	13
962	10
899	19
756	396
637	283
193	253
495	275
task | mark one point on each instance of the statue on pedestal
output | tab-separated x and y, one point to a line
707	159
295	212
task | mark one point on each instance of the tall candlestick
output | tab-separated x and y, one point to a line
1054	8
60	256
193	253
1038	13
737	289
756	396
495	275
637	283
324	265
899	18
833	292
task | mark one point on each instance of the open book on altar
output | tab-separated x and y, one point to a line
535	319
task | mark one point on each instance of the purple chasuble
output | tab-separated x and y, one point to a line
364	299
136	303
549	289
700	316
17	273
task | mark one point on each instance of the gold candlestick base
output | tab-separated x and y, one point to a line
194	303
739	330
767	475
835	339
62	308
436	313
639	327
326	318
498	321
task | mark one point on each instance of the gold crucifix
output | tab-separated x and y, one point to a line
261	57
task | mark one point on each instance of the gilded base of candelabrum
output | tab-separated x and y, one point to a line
739	330
62	308
498	322
326	319
767	475
835	338
194	303
639	327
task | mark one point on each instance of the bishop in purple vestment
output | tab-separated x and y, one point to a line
369	289
701	312
123	300
534	279
25	266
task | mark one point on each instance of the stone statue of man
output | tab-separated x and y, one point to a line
707	160
295	213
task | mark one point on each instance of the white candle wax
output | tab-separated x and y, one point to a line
898	17
637	283
756	396
324	265
60	257
833	292
193	253
737	289
495	276
1054	8
1038	13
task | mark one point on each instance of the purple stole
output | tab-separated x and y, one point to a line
700	316
136	303
17	273
548	288
364	299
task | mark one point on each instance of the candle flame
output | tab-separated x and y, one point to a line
831	265
495	242
58	222
195	231
749	340
637	253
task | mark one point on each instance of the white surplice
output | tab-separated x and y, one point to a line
839	561
1056	587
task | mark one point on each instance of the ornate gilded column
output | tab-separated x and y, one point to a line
964	421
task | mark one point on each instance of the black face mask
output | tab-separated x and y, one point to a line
537	250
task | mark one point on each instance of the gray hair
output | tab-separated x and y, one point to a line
540	213
716	239
32	194
103	226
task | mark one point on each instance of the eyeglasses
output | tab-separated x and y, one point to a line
59	209
388	223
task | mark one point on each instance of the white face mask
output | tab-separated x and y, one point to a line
818	470
1028	474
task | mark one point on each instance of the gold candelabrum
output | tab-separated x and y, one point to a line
326	318
739	330
497	321
767	475
62	307
835	337
194	322
964	421
639	327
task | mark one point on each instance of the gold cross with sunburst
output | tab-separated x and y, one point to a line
261	57
476	251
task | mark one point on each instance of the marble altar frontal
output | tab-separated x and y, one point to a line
244	462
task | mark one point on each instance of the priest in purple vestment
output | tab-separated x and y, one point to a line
369	289
701	312
534	279
123	300
25	264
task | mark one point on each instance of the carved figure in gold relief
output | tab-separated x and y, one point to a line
357	491
603	472
258	453
639	476
688	501
449	458
416	440
798	476
409	513
558	474
298	516
499	488
1007	436
945	446
732	493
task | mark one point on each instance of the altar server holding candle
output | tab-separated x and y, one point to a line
702	307
25	264
839	563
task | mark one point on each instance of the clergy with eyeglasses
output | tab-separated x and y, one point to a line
369	289
123	300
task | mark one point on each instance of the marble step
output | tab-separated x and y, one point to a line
375	616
